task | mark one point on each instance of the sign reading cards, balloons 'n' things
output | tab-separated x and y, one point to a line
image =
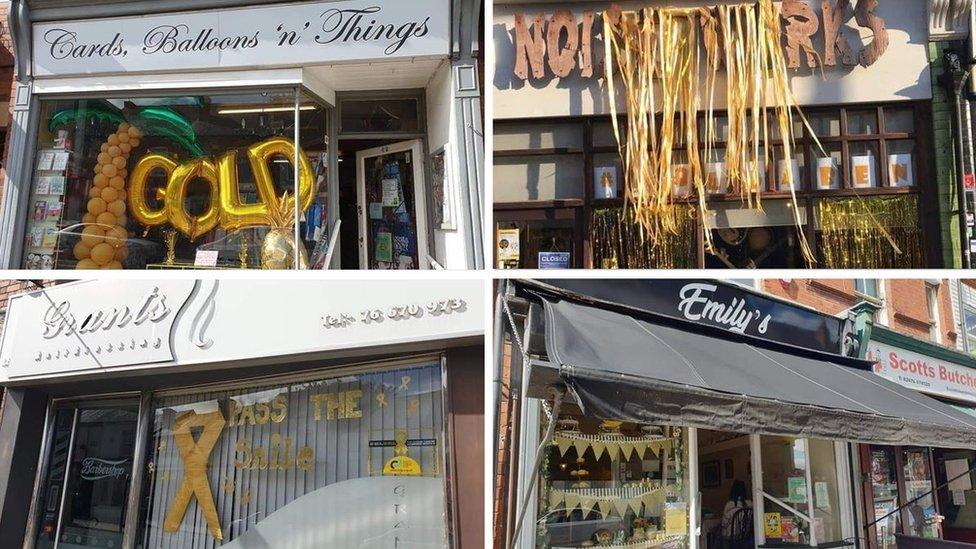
900	170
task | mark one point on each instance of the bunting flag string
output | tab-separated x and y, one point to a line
607	501
615	445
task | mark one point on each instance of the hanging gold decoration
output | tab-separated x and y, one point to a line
619	242
279	247
870	233
657	55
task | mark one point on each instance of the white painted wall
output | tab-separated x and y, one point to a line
448	245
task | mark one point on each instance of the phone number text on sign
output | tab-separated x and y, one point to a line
395	312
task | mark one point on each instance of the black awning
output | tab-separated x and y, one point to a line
654	369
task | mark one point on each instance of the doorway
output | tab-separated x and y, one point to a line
725	488
83	498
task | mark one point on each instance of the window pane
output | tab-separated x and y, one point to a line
864	164
549	177
283	464
108	174
826	171
380	115
899	120
867	286
98	477
607	176
774	127
603	134
825	124
901	162
862	122
784	473
509	137
971	328
603	492
917	470
826	495
50	500
521	244
884	485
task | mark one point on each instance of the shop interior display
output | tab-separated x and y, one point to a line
614	484
178	182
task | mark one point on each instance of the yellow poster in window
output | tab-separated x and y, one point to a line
773	525
675	519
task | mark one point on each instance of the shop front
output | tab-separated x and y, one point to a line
171	414
695	413
217	135
837	171
930	487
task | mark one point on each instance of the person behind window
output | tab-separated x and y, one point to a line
737	518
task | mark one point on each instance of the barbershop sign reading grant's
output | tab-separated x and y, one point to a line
294	34
561	41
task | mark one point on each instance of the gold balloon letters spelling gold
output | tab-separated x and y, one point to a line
195	455
226	208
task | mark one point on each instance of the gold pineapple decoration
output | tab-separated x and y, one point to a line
278	247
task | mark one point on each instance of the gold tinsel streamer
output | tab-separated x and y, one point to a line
661	49
620	243
850	239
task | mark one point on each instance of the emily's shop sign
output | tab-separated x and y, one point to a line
923	373
292	34
561	41
722	305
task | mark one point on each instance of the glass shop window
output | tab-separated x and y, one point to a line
282	465
614	483
173	182
970	319
785	461
381	116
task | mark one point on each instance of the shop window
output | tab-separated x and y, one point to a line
614	483
284	464
380	116
786	493
171	182
884	487
921	519
970	320
535	244
859	168
827	512
957	496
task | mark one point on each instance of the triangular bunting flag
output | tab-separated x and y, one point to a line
626	448
581	446
563	444
572	502
621	505
635	504
587	505
555	500
604	506
598	448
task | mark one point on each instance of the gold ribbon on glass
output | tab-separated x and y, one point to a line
196	457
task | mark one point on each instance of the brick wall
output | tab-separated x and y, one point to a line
906	303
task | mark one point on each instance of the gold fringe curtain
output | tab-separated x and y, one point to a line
618	241
667	60
850	238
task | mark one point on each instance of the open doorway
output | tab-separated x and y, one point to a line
725	483
383	181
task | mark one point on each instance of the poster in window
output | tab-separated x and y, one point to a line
675	518
789	172
862	172
900	170
715	178
828	176
798	489
605	182
442	200
507	249
772	525
384	246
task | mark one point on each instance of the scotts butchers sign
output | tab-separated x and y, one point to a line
724	306
923	373
293	34
561	41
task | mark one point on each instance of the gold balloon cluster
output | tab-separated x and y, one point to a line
225	208
102	243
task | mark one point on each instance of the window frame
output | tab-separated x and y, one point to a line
807	197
